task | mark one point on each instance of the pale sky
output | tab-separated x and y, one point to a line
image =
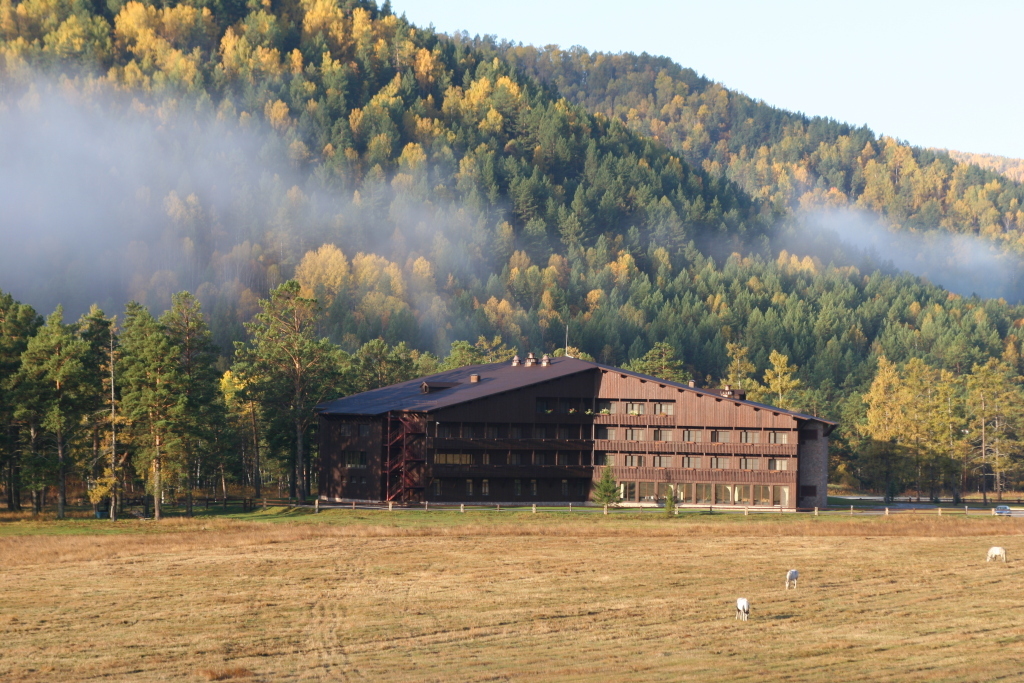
934	73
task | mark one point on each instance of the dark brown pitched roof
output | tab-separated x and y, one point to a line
495	378
454	387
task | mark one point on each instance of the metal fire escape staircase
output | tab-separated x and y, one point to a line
405	457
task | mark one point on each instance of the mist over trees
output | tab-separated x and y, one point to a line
393	193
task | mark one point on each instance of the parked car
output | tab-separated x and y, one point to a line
1003	510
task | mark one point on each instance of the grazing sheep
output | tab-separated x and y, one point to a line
742	609
791	576
996	553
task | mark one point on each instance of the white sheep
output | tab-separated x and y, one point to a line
996	553
742	609
791	576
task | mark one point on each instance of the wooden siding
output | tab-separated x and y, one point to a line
681	475
696	448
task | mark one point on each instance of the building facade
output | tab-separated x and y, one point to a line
543	430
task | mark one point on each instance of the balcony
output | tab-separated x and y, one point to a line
438	443
510	471
696	448
678	475
638	420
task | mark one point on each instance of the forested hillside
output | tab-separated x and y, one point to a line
1011	168
786	159
427	191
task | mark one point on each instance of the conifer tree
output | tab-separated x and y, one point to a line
993	404
97	331
779	380
53	367
660	362
886	422
288	369
606	491
18	323
151	394
202	410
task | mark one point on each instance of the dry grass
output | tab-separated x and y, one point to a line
474	598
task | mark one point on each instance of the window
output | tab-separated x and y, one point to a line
750	437
517	487
627	489
520	431
469	487
544	431
741	494
721	437
778	437
778	464
546	406
606	459
569	431
663	489
563	459
565	488
664	409
762	495
354	458
364	430
662	461
647	491
808	491
447	430
634	408
514	459
662	434
691	461
485	487
453	458
703	492
606	433
780	496
485	459
605	407
472	430
344	429
723	494
750	463
635	434
719	463
533	487
634	461
497	431
437	488
543	458
693	435
684	493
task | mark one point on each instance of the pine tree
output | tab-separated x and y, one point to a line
288	369
202	411
18	323
606	491
670	500
53	367
660	362
151	394
993	404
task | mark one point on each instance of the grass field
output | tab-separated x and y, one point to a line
440	596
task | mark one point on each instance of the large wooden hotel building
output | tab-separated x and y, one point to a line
542	430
